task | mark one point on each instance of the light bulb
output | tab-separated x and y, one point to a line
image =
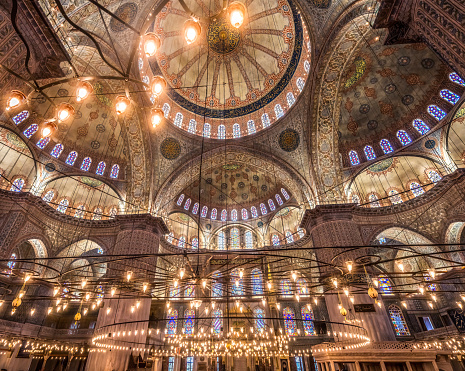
87	296
144	287
32	311
151	44
108	310
236	12
204	283
133	309
49	310
121	104
432	273
113	290
192	31
349	266
335	282
55	291
84	89
85	311
156	116
158	85
181	273
15	99
137	304
213	305
315	300
269	285
421	289
400	265
83	283
48	128
128	275
64	111
346	291
294	276
404	304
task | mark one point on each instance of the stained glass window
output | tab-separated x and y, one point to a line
11	264
48	196
224	215
454	77
63	206
299	364
195	243
289	322
234	215
285	194
113	212
290	99
265	120
244	214
207	130
394	197
20	117
217	286
259	319
300	83
170	237
278	111
237	283
433	176
100	168
30	130
43	142
279	200
217	322
384	285
190	363
71	158
307	66
85	165
172	323
175	292
236	131
436	112
271	205
213	214
431	286
307	318
204	212
221	241
275	240
195	208
416	189
286	288
97	215
251	127
80	212
178	119
356	199
221	132
397	319
420	126
289	237
235	240
192	126
166	109
248	240
386	146
182	242
189	292
449	96
369	153
257	282
263	209
187	205
171	363
56	151
302	287
253	211
180	200
353	157
300	232
373	200
403	137
17	185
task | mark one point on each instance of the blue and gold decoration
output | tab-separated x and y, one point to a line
289	140
170	148
222	37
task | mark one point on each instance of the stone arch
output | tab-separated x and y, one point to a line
453	235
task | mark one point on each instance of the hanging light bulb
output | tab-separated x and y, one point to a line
156	116
48	128
144	287
49	310
85	311
352	299
87	296
192	31
108	310
64	111
297	297
15	100
350	265
55	290
213	305
181	273
315	300
378	303
294	276
335	282
236	13
269	284
113	291
158	85
138	304
400	265
278	305
129	275
151	44
432	273
121	104
83	283
404	304
375	282
84	89
204	283
175	284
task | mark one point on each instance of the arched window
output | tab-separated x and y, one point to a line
398	321
275	240
235	241
290	99
253	211
386	146
259	319
251	127
189	319
48	196
187	205
80	212
221	132
175	292
285	194
289	322
11	264
369	153
207	130
263	209
307	66
71	158
217	286
63	206
271	205
449	96
170	237
17	185
30	130
265	120
56	151
180	200
300	232
373	200
213	214
454	77
384	285
236	131
97	214
403	137
248	240
286	288
300	84
221	241
433	176
237	283
278	111
420	126
113	212
244	214
189	291
224	215
178	119
257	282
416	189
85	165
20	117
355	199
353	157
100	168
43	142
192	126
195	243
427	278
234	215
279	200
204	212
166	109
172	322
289	237
217	322
302	287
436	112
394	197
182	242
195	209
307	318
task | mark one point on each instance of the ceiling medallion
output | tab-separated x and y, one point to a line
170	149
289	140
222	37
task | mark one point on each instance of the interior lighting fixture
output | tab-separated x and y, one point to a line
192	31
121	104
151	44
84	89
15	100
156	116
48	128
236	13
64	111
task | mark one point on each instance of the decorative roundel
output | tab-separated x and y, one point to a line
372	124
170	148
403	61
430	144
381	166
50	167
407	100
260	224
126	12
222	37
289	140
427	63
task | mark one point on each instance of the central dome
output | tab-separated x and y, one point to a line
222	38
